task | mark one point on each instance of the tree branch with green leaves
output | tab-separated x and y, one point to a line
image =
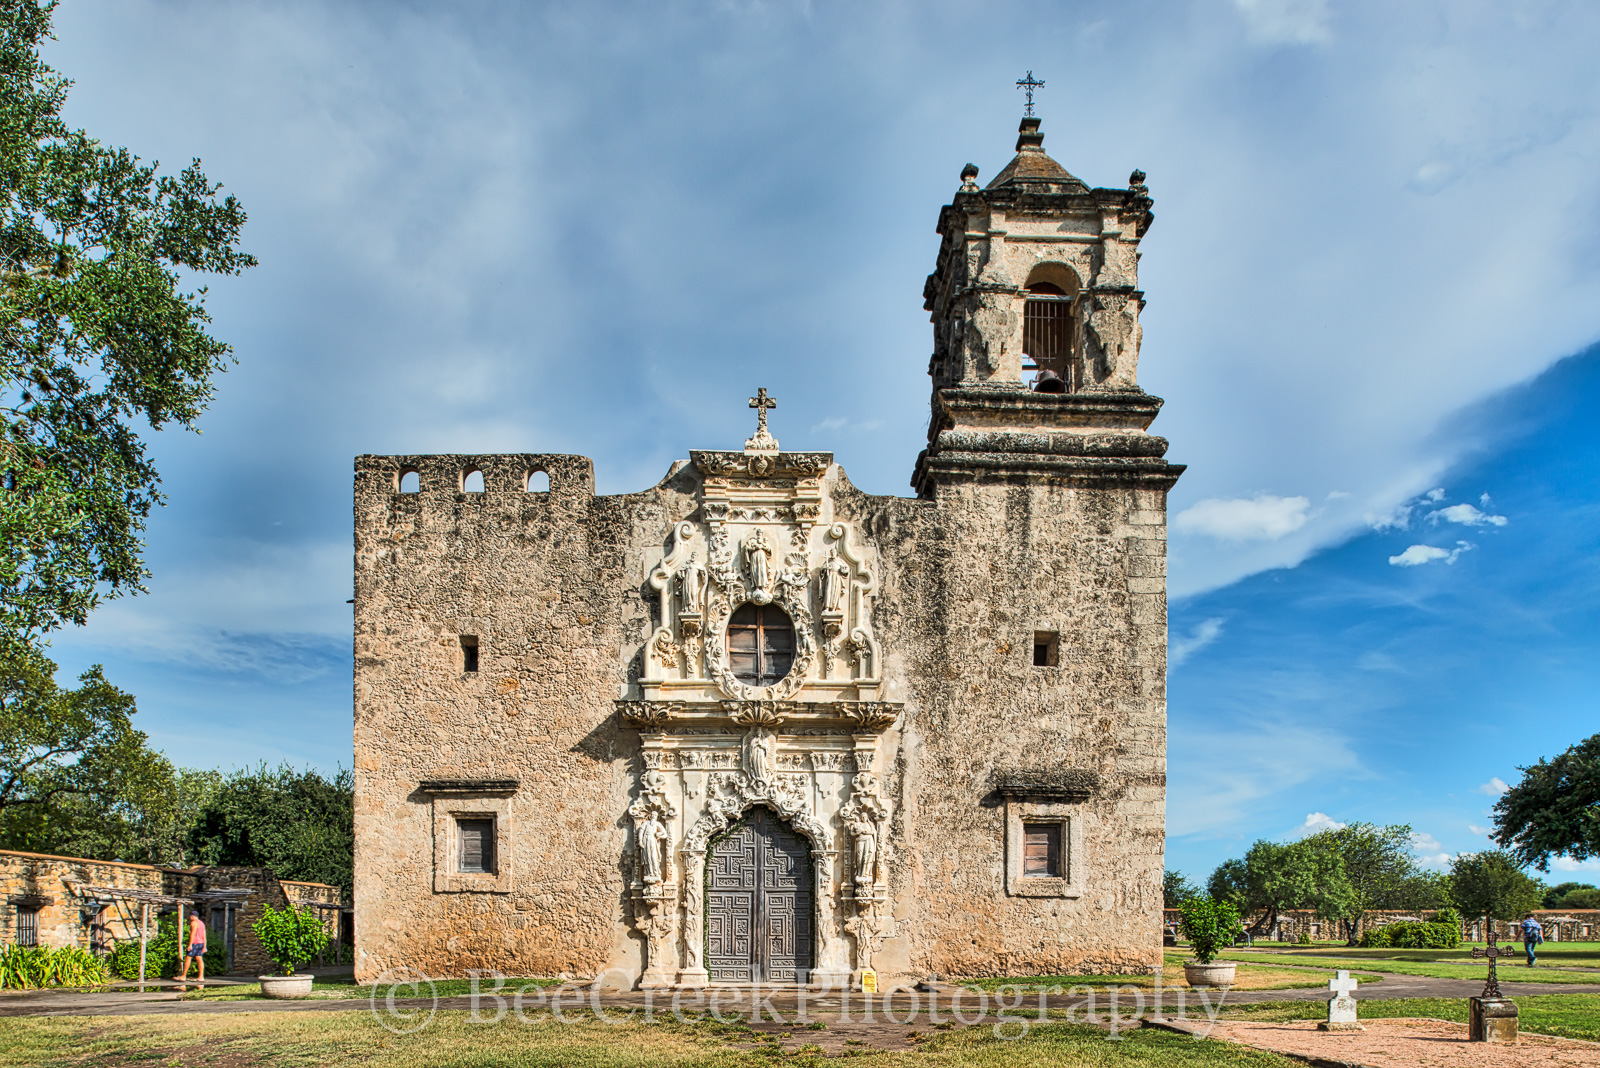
101	328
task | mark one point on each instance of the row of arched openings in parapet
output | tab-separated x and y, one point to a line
472	481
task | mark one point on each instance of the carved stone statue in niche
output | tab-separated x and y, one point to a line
691	585
757	552
652	834
761	755
649	814
863	815
835	580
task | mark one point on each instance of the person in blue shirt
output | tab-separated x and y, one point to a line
1532	935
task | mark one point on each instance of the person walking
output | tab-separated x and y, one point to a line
196	943
1532	935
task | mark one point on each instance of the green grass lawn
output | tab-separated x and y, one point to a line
303	1040
1269	975
1553	954
1433	963
1565	1015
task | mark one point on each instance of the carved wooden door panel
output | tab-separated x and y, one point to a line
758	903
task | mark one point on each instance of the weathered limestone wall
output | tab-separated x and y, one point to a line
550	585
47	882
967	582
42	880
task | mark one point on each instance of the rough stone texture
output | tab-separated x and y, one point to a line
51	884
603	722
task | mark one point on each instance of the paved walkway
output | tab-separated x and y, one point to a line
785	1001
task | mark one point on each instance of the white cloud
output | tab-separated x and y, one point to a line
1475	829
1263	517
1468	516
1435	495
1494	787
1427	554
1430	852
1318	821
1229	772
1204	633
1285	21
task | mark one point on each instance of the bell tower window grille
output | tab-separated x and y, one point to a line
1047	332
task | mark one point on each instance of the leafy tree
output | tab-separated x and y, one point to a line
1420	892
1555	809
1491	885
96	335
1557	896
1273	876
147	821
62	747
1175	889
1377	865
299	824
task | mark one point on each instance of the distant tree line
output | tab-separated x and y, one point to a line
1341	874
78	779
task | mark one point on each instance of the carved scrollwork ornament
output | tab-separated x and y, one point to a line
648	713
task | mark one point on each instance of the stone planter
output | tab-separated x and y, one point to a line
1217	973
285	986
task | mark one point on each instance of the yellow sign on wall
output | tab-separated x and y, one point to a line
869	982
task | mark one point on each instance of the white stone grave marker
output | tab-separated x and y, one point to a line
1341	1007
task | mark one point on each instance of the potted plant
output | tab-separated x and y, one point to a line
1211	926
290	936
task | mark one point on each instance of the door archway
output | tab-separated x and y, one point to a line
759	907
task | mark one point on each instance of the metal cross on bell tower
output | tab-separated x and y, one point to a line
1028	85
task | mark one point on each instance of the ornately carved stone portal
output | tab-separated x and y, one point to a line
717	743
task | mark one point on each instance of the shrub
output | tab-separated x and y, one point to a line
1408	935
162	957
22	967
290	935
1304	939
1451	918
1210	925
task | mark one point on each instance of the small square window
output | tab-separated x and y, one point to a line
477	846
469	652
1041	850
1046	648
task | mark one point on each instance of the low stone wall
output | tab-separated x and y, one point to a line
1560	925
64	918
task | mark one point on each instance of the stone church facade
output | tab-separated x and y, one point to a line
753	724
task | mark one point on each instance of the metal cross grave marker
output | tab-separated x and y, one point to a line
1491	989
761	402
1028	85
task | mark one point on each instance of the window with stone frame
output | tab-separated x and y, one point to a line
476	840
760	644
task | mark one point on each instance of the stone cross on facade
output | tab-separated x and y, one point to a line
761	402
763	441
1028	85
1342	1006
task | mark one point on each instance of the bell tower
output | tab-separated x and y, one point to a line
1035	304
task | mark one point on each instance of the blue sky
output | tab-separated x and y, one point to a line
596	228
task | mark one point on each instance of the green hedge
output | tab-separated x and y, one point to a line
161	956
1408	935
22	967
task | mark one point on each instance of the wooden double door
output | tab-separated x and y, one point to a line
759	903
